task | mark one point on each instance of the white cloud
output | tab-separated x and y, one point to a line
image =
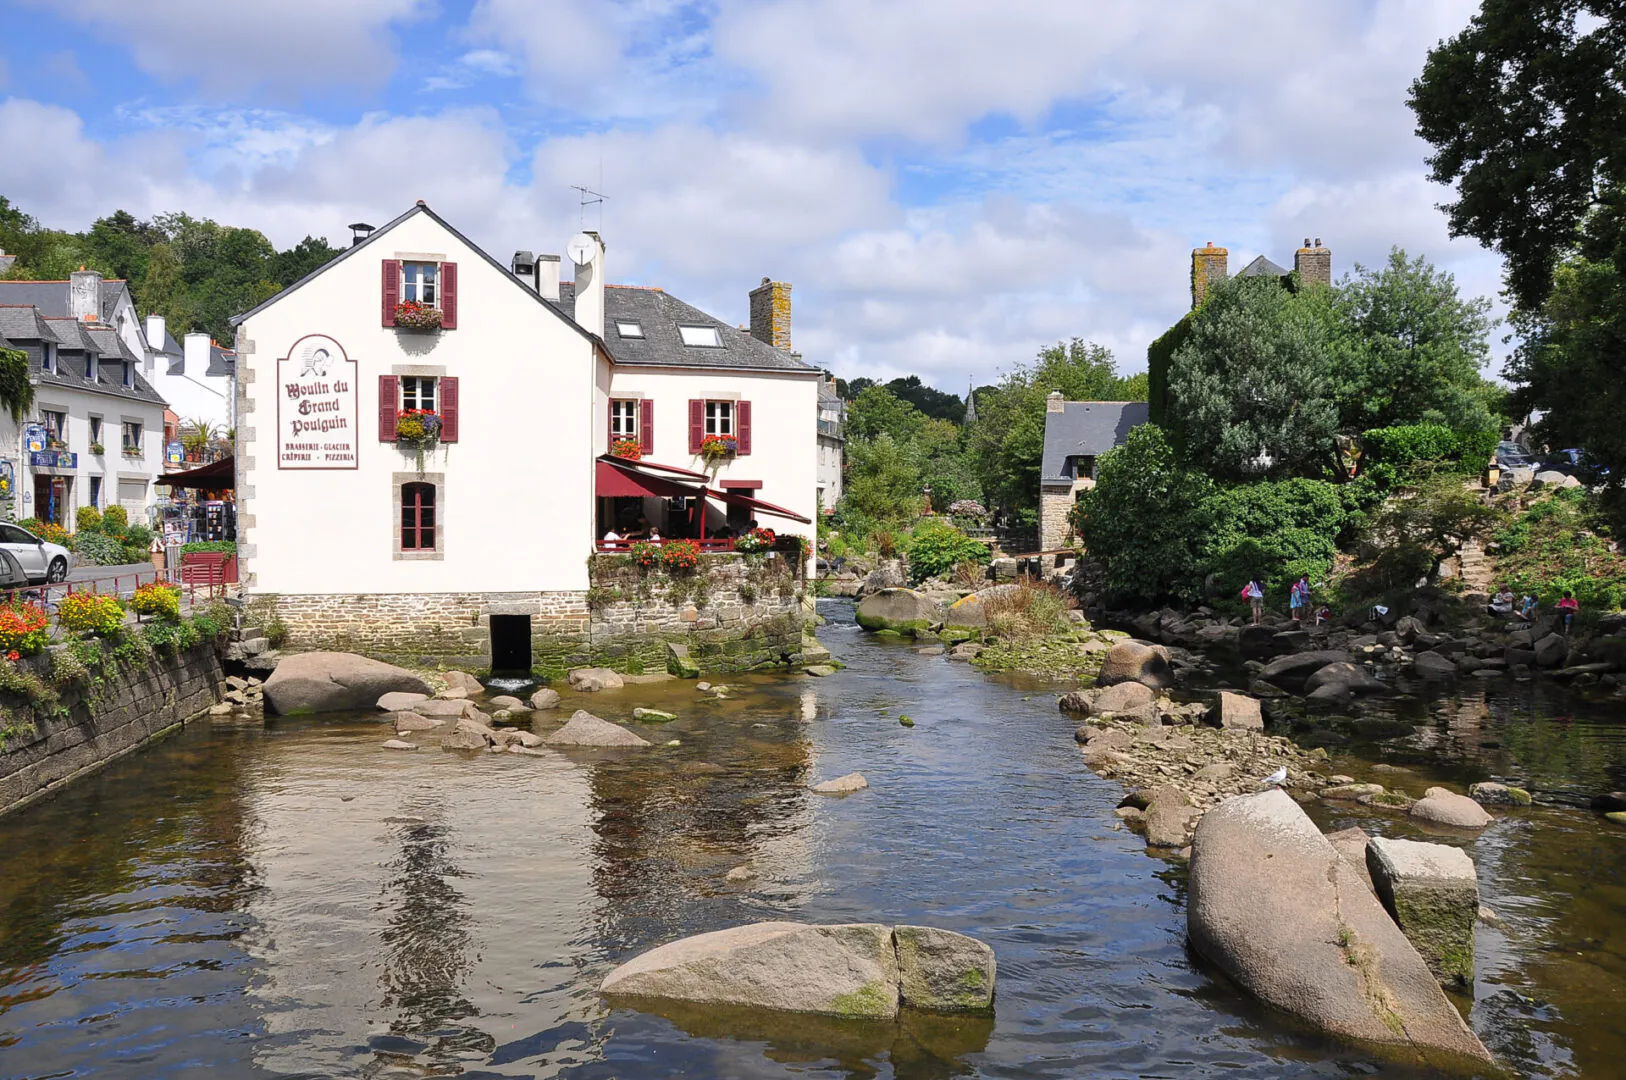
233	50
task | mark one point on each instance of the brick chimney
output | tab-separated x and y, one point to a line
1054	402
1209	265
1313	264
85	295
770	313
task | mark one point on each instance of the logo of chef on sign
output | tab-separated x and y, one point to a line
316	406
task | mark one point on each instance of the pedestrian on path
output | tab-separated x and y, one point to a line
1568	606
1254	593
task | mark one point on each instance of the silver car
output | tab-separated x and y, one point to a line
40	561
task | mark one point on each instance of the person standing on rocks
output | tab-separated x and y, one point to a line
1568	606
1254	593
1298	598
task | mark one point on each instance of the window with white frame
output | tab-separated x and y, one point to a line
701	337
628	329
418	392
624	418
719	418
419	282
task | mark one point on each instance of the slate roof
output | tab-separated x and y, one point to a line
660	314
74	335
222	362
1263	267
1086	429
22	322
51	297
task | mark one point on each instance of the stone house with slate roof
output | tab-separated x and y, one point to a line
89	391
1075	434
363	540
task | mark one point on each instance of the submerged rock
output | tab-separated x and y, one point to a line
585	729
842	785
398	744
410	721
590	680
1433	894
1493	794
396	701
319	682
1276	908
653	716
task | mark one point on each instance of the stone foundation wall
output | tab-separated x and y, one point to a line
105	722
734	613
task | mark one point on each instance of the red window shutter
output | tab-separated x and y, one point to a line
448	296
697	424
392	293
646	426
389	397
448	409
742	427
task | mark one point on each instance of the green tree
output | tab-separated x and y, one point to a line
1251	392
16	389
877	411
1525	110
1408	349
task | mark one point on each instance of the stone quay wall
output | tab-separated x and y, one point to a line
94	725
733	613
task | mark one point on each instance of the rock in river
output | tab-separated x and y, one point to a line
1273	905
1346	678
1296	669
842	785
1433	894
319	682
856	970
1121	698
544	699
592	679
396	702
585	729
902	610
1136	661
1445	807
1237	711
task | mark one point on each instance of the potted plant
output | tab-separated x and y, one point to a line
98	449
715	448
418	430
132	450
680	556
755	542
413	315
196	438
627	448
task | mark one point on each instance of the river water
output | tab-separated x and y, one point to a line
292	900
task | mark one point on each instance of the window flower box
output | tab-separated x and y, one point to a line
755	542
132	451
417	430
98	449
627	448
716	448
413	315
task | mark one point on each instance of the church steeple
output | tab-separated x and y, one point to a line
970	400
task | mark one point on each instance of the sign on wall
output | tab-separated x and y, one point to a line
316	406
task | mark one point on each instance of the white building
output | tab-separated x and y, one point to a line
103	422
197	378
832	444
352	534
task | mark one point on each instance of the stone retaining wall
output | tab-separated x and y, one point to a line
105	722
734	613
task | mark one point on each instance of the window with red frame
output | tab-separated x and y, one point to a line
417	517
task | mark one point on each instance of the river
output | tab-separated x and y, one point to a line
289	899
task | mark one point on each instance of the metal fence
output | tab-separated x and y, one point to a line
196	589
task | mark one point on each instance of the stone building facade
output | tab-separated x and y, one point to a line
1075	434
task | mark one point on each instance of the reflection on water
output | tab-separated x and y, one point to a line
296	901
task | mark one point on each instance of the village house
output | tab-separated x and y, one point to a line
94	436
1075	434
832	444
478	541
196	376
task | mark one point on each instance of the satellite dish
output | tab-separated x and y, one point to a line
581	249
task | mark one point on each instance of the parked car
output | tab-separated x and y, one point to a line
41	561
12	575
1510	455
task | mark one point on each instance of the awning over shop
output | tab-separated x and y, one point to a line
736	499
614	477
215	476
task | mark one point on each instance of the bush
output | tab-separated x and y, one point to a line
99	614
115	517
1552	546
680	555
1275	531
937	547
87	517
1027	611
1405	447
205	547
50	533
97	548
157	599
24	629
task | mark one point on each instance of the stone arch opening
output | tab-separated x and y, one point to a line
510	644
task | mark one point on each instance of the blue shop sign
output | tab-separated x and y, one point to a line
54	459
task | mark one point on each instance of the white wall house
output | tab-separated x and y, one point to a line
103	422
350	534
197	377
832	444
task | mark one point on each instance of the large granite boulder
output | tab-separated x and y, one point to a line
322	682
1433	894
1431	665
590	680
971	612
854	970
1274	906
544	699
1294	670
1552	650
585	729
902	610
1237	711
1442	806
1121	698
1136	661
1345	678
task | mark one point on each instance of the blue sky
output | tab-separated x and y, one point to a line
948	184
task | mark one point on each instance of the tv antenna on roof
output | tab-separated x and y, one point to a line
589	197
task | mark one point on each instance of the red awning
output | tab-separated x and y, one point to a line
215	476
642	463
737	499
614	479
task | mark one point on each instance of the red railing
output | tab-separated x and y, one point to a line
194	590
712	545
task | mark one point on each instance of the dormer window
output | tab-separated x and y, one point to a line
701	337
418	283
129	374
92	369
629	329
49	357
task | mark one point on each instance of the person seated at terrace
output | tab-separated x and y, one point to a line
1502	603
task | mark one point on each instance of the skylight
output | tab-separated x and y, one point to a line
701	337
629	329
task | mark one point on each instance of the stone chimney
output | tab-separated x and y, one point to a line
590	290
196	347
1313	263
85	295
524	267
6	260
1209	265
770	313
547	276
1053	402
